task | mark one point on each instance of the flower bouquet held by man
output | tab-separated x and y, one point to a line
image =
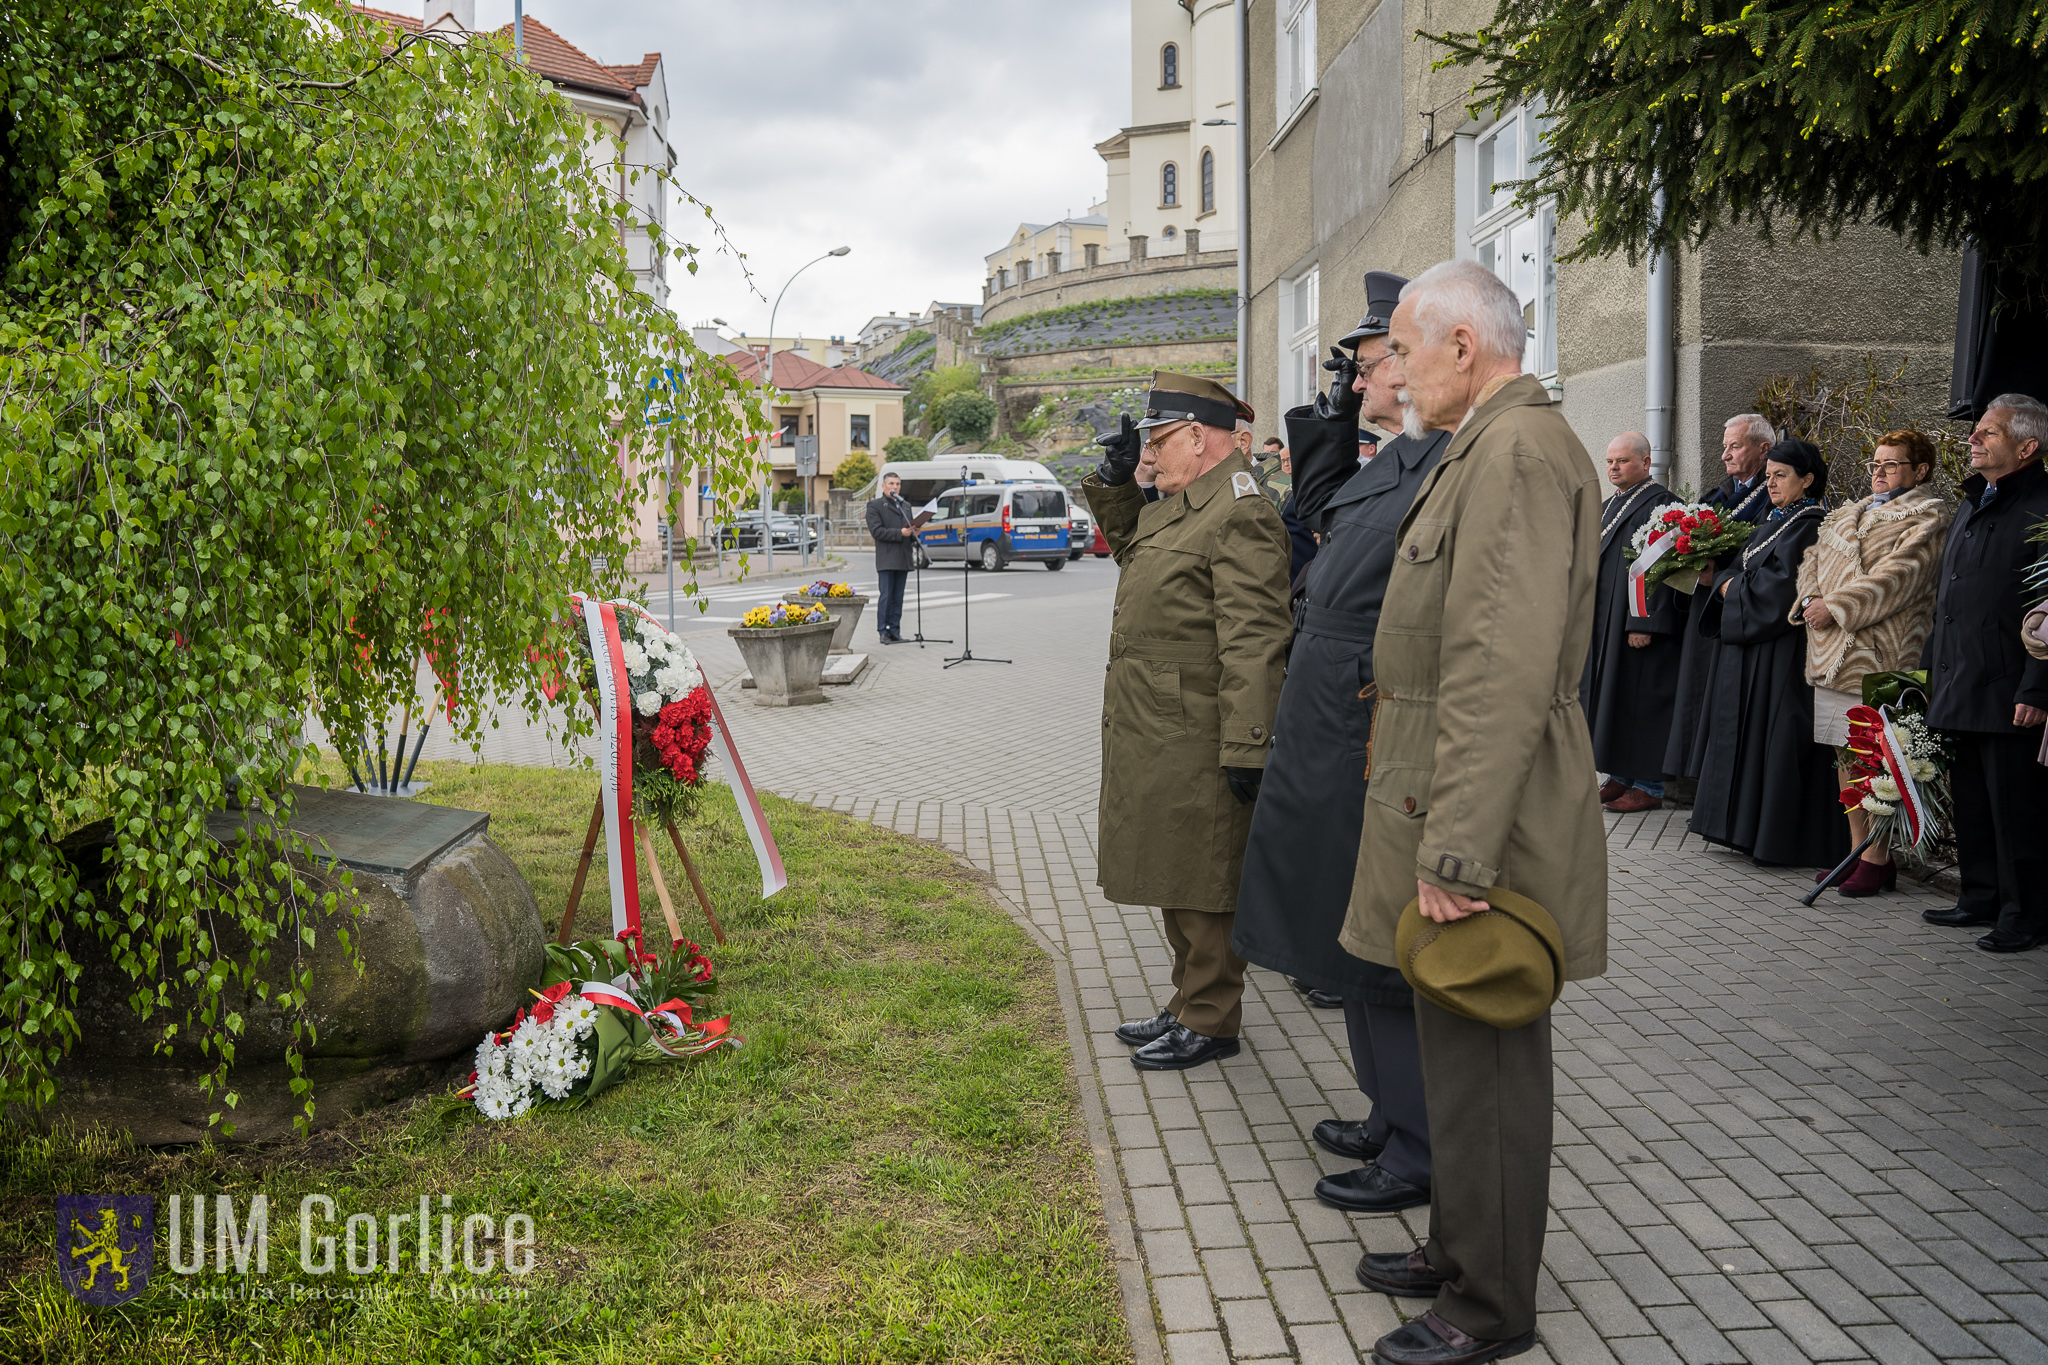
1677	544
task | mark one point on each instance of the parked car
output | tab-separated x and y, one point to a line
1080	533
744	532
992	524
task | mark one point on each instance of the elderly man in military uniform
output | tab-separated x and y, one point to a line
1303	853
1196	650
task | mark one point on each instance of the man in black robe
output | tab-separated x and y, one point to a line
1741	497
1632	664
1302	856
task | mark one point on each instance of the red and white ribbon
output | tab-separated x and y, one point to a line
1893	752
766	854
675	1013
615	733
615	764
1638	573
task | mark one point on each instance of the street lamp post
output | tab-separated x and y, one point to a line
767	476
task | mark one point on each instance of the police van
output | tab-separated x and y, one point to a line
993	524
924	480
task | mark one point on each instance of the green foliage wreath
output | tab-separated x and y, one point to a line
313	333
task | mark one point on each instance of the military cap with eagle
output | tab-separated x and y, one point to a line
1190	398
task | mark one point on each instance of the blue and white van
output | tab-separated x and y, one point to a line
994	524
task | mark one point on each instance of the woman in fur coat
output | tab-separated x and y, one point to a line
1866	596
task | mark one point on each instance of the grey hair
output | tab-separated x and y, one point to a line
2029	418
1755	426
1453	292
1638	444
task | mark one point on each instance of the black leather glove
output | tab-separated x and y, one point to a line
1120	454
1342	400
1244	783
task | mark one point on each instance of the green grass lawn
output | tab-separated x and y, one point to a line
892	1167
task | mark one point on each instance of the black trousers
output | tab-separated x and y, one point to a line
1490	1094
889	611
1388	1062
1999	791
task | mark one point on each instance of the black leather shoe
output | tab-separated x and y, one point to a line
1999	941
1179	1048
1139	1032
1369	1189
1955	917
1346	1138
1406	1274
1429	1340
1322	1000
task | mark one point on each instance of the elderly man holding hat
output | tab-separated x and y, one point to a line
1304	847
1196	649
1482	850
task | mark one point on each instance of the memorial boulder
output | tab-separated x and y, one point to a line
449	940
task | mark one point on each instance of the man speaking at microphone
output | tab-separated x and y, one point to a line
1197	643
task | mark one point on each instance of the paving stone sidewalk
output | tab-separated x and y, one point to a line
1781	1134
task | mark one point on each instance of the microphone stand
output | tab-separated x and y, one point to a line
966	655
917	559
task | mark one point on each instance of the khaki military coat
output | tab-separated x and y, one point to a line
1197	643
1481	766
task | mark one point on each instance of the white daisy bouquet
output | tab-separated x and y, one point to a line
584	1031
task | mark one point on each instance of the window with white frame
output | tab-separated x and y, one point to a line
1519	245
1299	351
1295	54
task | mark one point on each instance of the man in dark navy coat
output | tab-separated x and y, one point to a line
1632	665
1303	853
1740	497
1987	694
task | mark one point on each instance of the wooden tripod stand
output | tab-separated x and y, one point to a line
645	833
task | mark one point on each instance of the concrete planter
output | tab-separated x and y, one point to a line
845	616
450	939
786	661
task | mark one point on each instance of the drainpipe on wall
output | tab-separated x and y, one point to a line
1244	183
1660	359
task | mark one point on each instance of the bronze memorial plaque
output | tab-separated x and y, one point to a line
377	834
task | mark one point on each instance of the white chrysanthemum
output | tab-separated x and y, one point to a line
677	682
490	1057
1923	769
579	1014
1884	789
1877	807
648	703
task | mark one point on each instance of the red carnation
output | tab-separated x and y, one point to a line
1683	545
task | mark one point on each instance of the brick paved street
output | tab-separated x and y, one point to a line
1782	1134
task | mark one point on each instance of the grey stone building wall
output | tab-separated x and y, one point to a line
1365	179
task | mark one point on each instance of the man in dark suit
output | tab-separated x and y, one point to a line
1987	694
889	524
1632	665
1740	497
1303	854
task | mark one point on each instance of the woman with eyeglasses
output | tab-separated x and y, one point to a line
1766	788
1866	598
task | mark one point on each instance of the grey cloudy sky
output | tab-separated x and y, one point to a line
918	132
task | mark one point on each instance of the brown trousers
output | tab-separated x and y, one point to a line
1208	978
1489	1094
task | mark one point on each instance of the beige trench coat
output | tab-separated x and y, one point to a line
1482	769
1196	648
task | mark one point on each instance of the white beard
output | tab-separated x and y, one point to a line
1411	420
